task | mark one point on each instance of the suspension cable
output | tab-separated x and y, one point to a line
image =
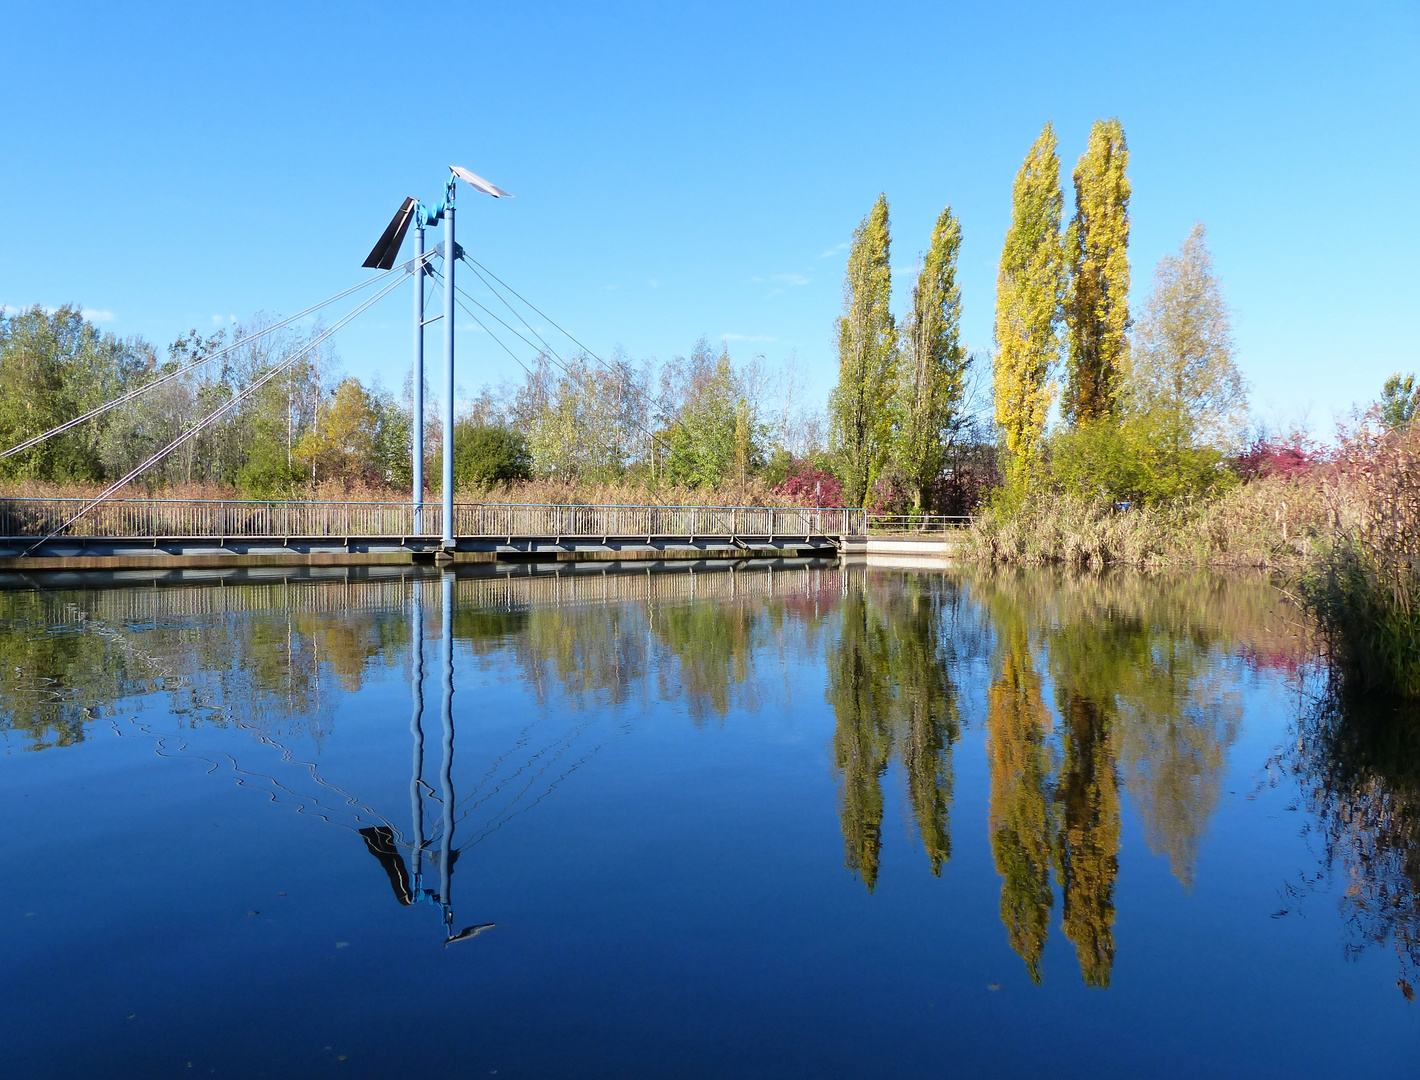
547	350
217	413
516	359
662	412
170	376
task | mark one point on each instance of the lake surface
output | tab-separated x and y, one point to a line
785	820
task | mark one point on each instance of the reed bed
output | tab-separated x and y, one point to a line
540	492
1365	583
1274	524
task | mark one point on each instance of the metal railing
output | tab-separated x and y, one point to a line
916	524
183	519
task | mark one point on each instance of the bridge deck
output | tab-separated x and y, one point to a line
170	532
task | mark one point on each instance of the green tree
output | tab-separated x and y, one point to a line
487	454
54	366
860	408
1029	291
933	372
712	433
1183	376
393	430
1097	298
1399	401
582	420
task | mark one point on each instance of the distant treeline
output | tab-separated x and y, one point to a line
1148	411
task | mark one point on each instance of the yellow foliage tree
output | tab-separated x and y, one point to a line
341	446
1029	292
1097	301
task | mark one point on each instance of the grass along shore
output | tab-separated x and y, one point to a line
1343	537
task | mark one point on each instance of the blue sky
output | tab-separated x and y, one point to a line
689	169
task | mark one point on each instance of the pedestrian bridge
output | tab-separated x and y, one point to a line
152	533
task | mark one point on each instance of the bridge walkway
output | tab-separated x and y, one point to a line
171	533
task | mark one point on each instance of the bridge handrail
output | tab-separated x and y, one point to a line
917	523
223	518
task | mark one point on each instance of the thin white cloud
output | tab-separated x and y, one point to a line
94	315
831	252
609	288
655	283
792	279
773	293
747	337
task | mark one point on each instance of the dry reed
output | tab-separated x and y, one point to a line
556	492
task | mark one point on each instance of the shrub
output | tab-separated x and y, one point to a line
1132	461
489	454
1288	459
807	485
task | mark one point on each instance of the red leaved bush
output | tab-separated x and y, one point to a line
808	486
1276	457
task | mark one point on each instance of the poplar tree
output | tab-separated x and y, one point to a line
860	407
934	368
1029	286
1097	302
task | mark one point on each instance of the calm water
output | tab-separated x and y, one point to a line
800	820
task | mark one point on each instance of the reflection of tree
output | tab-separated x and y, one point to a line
890	689
276	657
859	689
1085	662
1018	725
1180	716
712	643
260	670
55	674
1359	766
1087	848
925	711
1143	691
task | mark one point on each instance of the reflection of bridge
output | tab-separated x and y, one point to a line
501	589
160	533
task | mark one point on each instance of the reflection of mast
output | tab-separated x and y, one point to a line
446	771
380	840
416	729
447	854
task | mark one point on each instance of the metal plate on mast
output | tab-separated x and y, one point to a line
477	182
386	249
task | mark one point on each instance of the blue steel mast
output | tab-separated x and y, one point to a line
451	255
416	428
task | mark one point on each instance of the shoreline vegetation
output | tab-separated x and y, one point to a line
1091	433
1339	531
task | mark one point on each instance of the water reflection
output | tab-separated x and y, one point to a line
1359	766
1100	700
381	840
890	685
1145	683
